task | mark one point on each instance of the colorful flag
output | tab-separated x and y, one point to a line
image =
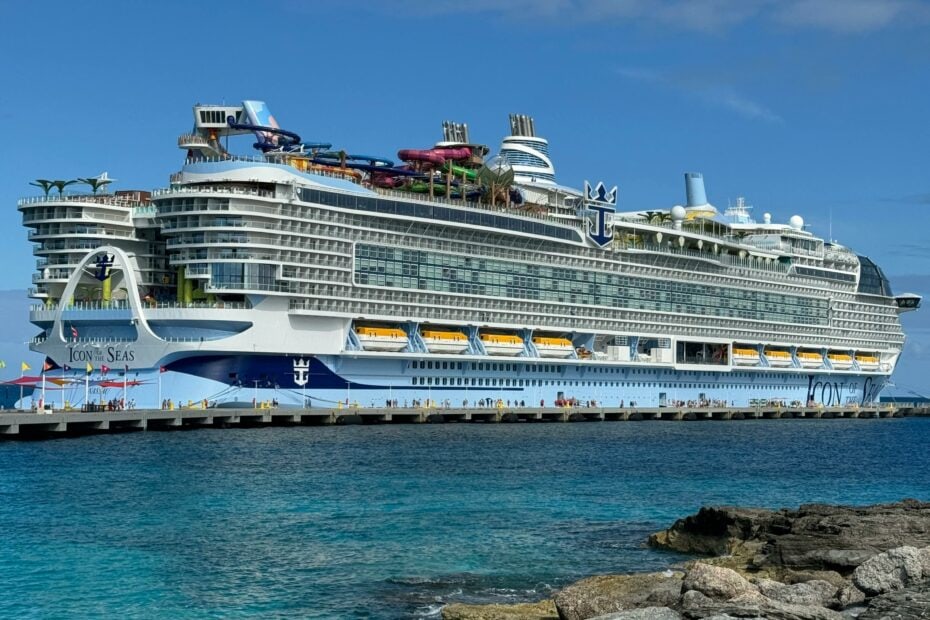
47	366
25	367
74	332
90	368
104	369
2	364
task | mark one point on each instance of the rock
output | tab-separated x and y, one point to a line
644	613
713	530
832	577
543	610
605	594
813	537
815	592
692	599
911	603
925	560
888	571
716	582
754	605
849	595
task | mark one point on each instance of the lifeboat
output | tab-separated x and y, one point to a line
553	347
778	358
444	341
502	344
810	359
745	357
381	338
867	361
840	361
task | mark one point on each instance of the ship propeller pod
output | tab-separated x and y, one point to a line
694	189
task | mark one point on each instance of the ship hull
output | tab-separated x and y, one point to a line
341	380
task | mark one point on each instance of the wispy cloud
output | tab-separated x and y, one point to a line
911	199
708	16
715	95
849	16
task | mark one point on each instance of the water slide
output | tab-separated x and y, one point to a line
470	174
270	136
435	157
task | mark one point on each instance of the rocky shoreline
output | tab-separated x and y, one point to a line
819	562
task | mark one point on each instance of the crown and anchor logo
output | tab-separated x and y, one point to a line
301	372
600	203
599	193
103	264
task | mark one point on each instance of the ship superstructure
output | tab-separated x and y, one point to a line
314	276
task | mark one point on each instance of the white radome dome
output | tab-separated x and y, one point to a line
796	222
679	213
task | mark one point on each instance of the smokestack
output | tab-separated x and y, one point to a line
694	188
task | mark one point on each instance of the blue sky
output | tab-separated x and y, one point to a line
815	107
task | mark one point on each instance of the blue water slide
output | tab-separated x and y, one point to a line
292	139
365	163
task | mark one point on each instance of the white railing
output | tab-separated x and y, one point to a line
101	199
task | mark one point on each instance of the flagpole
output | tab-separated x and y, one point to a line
125	379
86	391
159	403
22	373
43	389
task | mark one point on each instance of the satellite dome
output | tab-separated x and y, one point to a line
767	218
678	213
796	222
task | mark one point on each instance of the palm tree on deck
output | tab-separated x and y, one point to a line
45	184
61	185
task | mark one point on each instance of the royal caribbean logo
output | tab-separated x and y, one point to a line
301	372
600	203
103	264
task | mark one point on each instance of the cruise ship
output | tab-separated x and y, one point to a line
308	276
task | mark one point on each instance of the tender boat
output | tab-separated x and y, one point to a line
381	338
867	361
810	359
745	357
502	344
778	358
548	346
444	341
840	361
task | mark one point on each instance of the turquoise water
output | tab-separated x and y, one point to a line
392	521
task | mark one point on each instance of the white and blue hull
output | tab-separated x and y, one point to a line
333	381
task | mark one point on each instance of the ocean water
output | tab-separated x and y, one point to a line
394	521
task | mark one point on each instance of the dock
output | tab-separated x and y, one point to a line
28	424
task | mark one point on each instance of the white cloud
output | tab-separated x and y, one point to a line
708	16
716	95
848	16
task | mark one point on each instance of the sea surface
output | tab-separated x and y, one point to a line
394	521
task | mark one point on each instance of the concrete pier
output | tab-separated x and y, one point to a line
25	424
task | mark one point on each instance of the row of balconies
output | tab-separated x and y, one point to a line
574	324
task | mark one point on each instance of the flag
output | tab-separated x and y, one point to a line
2	364
25	367
90	368
74	332
104	369
160	369
47	366
66	368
